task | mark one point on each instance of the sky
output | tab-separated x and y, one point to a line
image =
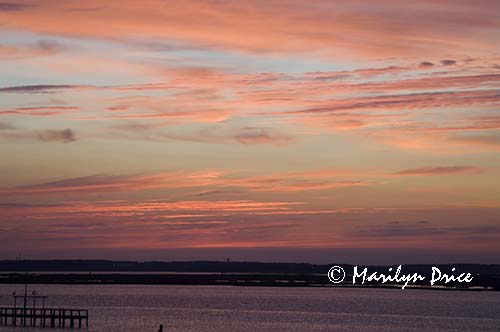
286	130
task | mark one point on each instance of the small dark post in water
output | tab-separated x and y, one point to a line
161	328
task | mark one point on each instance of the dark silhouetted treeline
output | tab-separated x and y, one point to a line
86	265
217	273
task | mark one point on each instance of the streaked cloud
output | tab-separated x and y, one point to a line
439	170
286	182
44	135
409	101
39	110
289	26
423	228
41	88
209	134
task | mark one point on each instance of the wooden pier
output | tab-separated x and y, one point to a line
18	315
44	317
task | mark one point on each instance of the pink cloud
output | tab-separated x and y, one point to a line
39	110
284	182
287	26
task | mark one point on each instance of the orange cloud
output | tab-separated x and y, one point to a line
385	28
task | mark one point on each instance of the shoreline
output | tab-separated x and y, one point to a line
220	279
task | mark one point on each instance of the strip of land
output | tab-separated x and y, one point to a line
486	277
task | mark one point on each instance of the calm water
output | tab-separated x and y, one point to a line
261	309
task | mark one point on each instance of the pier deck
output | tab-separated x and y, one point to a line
44	317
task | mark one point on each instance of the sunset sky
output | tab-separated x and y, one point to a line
287	130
